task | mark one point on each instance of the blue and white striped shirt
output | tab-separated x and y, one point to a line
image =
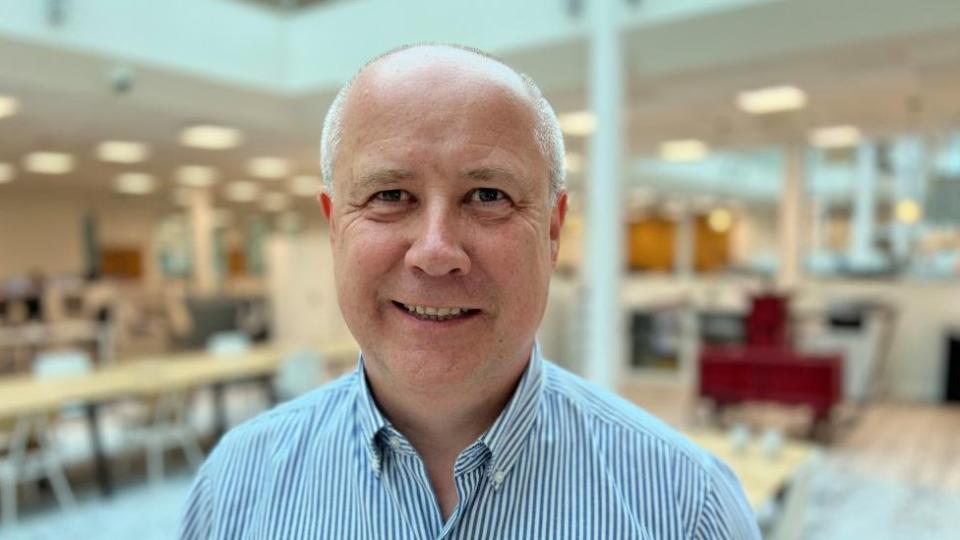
564	459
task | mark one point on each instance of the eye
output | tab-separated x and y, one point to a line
487	196
391	196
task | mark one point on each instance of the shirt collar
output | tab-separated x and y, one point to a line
369	417
505	437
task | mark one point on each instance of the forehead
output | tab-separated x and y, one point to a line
438	96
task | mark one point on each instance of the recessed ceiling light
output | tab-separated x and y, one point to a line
306	185
242	191
275	202
908	211
580	123
772	99
573	162
210	137
835	136
268	167
48	162
197	176
8	106
122	151
134	183
6	173
683	150
719	220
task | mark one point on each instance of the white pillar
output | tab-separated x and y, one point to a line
790	221
604	321
683	245
819	202
861	253
908	165
201	227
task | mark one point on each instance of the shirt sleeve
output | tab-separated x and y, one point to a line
196	522
726	515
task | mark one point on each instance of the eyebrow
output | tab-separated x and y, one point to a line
489	173
383	177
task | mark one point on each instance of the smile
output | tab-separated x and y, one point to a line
431	313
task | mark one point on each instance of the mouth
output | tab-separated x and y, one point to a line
435	313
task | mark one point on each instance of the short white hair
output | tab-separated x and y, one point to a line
546	130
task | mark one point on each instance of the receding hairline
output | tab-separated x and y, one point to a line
547	131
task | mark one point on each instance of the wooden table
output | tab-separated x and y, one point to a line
762	477
23	396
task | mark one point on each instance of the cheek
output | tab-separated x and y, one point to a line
365	255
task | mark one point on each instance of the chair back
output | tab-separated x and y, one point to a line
301	371
61	363
228	344
767	321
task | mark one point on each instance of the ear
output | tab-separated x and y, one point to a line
326	203
557	215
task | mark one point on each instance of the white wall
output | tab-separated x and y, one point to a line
41	234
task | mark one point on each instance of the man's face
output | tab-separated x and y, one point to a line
443	234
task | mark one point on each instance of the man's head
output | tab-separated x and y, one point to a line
444	194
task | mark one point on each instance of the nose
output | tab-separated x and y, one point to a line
437	248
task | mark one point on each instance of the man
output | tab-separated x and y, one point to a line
444	194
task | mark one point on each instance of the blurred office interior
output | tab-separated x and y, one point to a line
763	244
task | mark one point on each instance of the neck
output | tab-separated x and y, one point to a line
441	423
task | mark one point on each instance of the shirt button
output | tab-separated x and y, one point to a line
395	442
498	477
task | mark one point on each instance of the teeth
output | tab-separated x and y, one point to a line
434	313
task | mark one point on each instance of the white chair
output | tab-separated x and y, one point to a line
30	452
164	423
301	371
789	520
226	344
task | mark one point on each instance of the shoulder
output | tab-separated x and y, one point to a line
283	429
643	454
623	419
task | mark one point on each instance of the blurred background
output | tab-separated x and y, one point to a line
763	242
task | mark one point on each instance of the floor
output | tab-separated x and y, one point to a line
894	473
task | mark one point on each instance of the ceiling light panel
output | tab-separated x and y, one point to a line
268	167
48	162
6	173
242	191
9	106
197	176
772	99
134	183
835	136
579	124
122	151
684	150
210	137
305	185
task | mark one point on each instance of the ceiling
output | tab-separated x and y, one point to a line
906	83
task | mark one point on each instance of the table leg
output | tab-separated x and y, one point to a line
219	410
103	467
269	389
